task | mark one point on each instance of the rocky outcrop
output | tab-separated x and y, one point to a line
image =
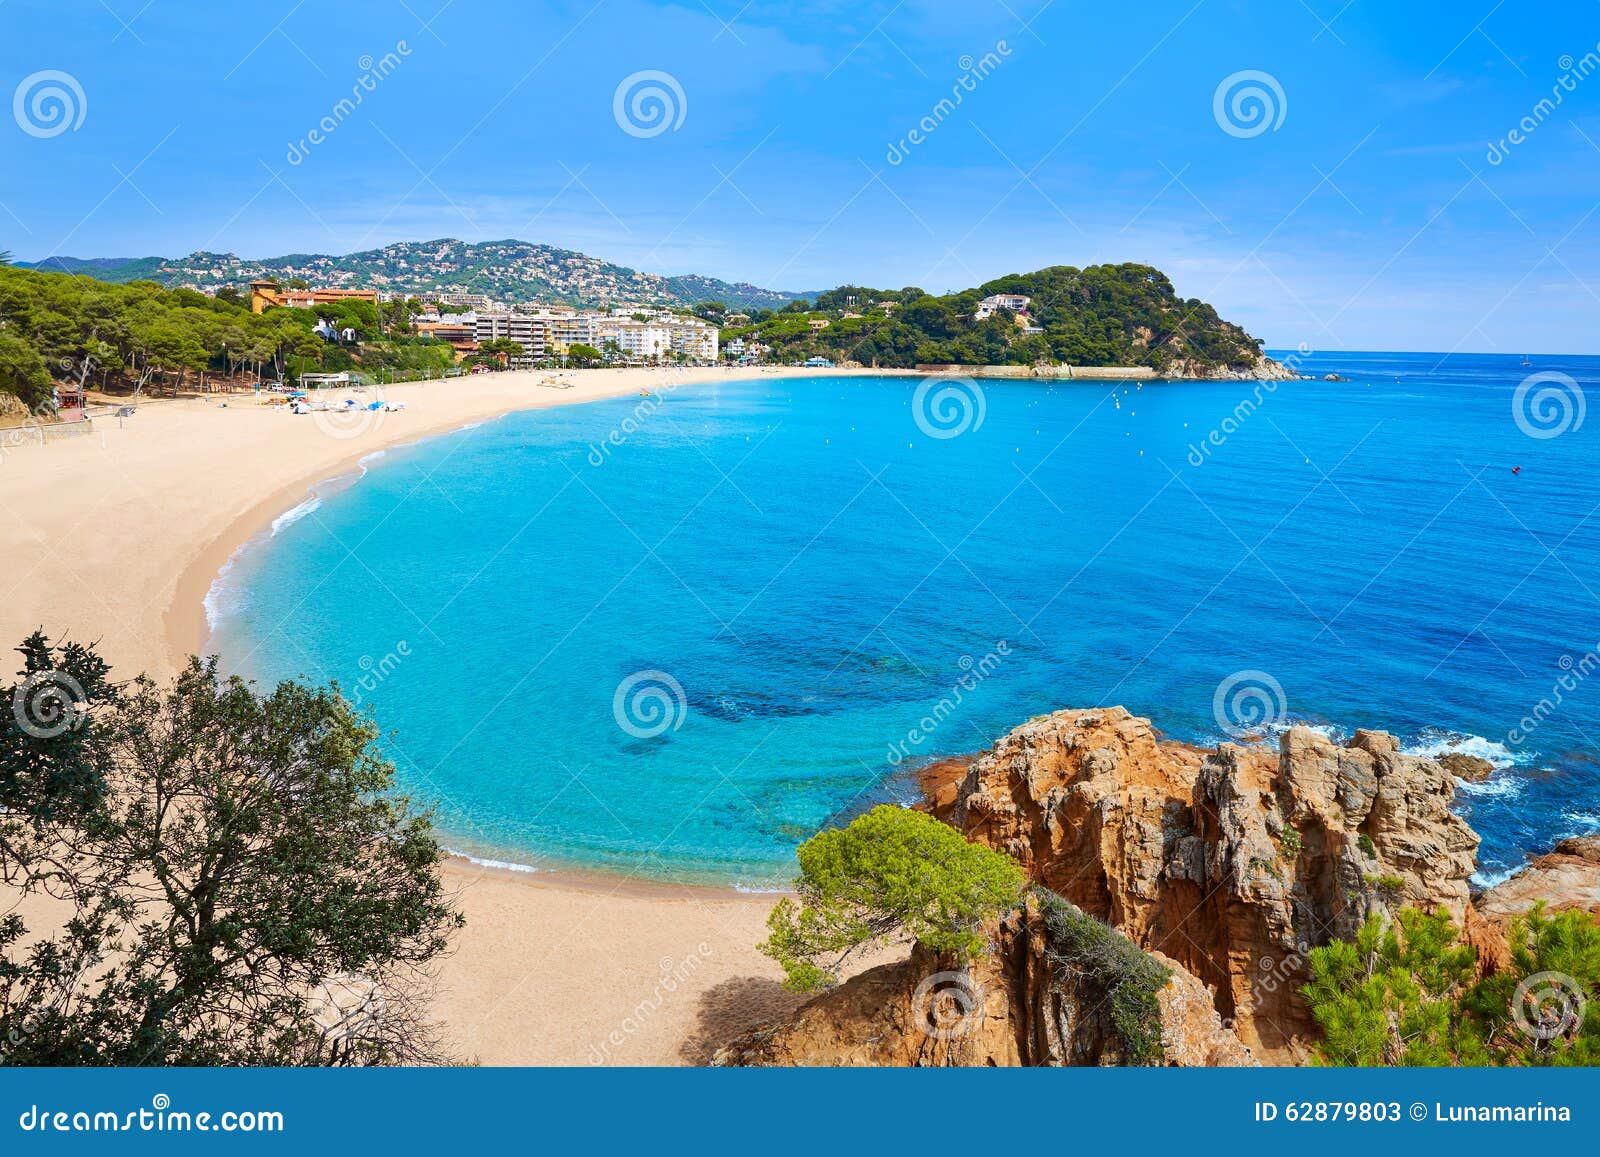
1471	768
1223	867
1264	370
1057	989
1234	862
1567	878
13	411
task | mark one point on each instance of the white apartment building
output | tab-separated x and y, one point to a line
638	340
657	338
694	339
528	332
568	329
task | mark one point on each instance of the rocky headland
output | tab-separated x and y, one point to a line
1179	892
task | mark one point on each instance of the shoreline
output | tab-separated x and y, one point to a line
120	537
187	632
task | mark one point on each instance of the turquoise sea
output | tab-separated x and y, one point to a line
674	636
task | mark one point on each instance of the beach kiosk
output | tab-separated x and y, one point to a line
315	389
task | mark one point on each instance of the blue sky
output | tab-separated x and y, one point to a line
1369	215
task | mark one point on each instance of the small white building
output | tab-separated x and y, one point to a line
1016	303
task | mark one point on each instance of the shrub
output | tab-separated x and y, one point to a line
1408	994
1105	965
891	873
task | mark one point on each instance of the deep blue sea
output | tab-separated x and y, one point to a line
674	636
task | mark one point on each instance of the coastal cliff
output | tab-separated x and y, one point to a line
1060	988
1234	861
1212	871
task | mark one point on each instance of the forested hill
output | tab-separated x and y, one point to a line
510	271
1104	315
56	326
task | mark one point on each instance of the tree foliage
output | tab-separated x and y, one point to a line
65	326
1408	993
891	874
1103	315
225	876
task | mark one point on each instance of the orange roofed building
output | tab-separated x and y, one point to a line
265	294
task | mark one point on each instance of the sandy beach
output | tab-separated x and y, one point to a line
117	536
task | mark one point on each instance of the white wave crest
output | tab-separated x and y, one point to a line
1433	742
501	865
294	514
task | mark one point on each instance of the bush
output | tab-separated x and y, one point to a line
1106	966
234	866
892	873
1408	994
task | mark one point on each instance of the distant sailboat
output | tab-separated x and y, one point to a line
1525	360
